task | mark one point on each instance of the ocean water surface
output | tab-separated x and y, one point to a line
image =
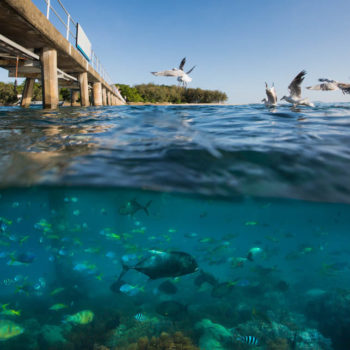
175	227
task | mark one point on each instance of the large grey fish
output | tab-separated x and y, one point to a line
164	264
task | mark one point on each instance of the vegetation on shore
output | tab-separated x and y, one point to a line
9	94
144	93
151	93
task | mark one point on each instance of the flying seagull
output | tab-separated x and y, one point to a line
329	85
271	100
295	92
182	77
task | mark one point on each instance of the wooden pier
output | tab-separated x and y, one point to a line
32	48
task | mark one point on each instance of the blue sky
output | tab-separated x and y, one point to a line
237	45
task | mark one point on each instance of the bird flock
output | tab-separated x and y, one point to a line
294	87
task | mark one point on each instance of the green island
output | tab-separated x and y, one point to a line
142	93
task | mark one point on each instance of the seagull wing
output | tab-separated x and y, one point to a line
169	73
324	80
294	86
345	88
182	64
271	95
191	70
324	87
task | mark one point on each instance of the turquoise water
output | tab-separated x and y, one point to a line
259	199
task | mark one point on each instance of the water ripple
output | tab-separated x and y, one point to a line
215	150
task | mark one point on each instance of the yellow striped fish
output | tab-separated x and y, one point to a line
81	317
9	329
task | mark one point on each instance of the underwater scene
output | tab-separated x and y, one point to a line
139	228
128	269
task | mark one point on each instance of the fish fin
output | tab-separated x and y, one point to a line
125	269
145	208
4	306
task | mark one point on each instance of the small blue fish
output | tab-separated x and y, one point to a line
129	258
130	290
248	339
140	317
110	255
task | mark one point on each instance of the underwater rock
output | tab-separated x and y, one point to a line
278	344
52	334
100	347
213	335
130	332
165	341
332	314
269	333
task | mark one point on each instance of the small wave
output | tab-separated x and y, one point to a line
225	150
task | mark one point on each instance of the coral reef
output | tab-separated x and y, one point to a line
165	341
131	331
332	314
52	334
278	344
274	333
213	335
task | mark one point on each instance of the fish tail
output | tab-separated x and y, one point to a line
66	319
145	208
125	269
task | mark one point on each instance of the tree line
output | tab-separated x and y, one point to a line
146	93
9	93
151	93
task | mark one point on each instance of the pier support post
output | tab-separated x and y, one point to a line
108	98
104	96
27	93
74	98
84	89
49	78
97	91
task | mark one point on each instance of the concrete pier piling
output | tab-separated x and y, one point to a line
84	89
50	57
74	98
97	94
104	97
49	78
27	93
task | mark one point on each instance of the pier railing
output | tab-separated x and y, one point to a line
59	16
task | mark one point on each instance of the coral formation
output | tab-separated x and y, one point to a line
278	344
331	311
213	335
131	331
165	341
306	339
52	334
